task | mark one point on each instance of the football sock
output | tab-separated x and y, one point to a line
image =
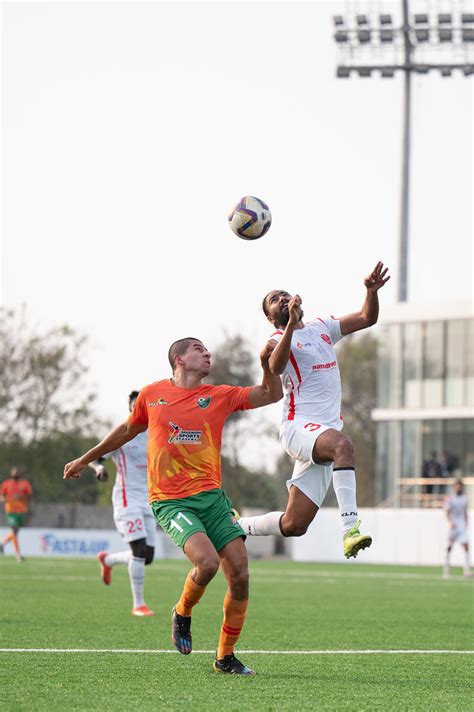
191	595
234	617
121	557
344	483
467	565
136	571
263	525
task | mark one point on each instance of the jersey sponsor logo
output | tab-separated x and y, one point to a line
302	346
203	402
318	366
159	401
326	338
179	435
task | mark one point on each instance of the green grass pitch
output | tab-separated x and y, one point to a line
62	604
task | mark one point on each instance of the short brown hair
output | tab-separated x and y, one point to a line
178	348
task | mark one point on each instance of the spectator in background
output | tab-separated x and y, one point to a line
455	507
431	468
16	494
449	464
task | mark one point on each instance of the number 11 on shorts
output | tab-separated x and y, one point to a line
178	526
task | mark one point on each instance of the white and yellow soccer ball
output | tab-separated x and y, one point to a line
250	218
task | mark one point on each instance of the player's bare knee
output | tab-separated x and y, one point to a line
208	567
150	555
344	451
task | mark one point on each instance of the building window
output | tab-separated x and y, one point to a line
469	362
411	449
412	372
433	364
388	374
455	362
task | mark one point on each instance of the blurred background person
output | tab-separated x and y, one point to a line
455	507
16	494
431	468
132	514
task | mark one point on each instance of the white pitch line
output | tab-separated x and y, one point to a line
243	652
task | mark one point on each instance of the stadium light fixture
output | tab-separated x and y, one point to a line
359	32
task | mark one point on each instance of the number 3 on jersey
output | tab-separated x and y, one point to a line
183	518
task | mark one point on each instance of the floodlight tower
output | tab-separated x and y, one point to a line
360	35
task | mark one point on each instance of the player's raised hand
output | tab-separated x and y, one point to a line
294	310
377	278
267	351
73	469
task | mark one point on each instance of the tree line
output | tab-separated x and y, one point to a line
48	415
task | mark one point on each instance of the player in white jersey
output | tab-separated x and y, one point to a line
132	514
311	427
455	507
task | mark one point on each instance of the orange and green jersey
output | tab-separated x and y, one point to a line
17	494
184	435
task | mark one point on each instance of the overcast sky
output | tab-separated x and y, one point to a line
130	129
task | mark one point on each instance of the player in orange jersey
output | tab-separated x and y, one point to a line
16	494
185	420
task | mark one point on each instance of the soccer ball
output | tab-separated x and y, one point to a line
250	218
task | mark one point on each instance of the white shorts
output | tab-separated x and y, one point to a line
458	534
298	438
136	522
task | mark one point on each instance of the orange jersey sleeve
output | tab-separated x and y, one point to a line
139	414
184	435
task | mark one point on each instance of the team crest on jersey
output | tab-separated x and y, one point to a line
203	402
178	434
160	401
326	338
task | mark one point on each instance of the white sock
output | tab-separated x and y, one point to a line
344	483
136	571
121	557
467	565
263	525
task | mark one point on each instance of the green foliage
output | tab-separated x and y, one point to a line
357	358
42	463
248	488
42	381
46	410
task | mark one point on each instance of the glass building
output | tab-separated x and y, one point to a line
425	399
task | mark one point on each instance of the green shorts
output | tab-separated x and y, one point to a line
210	512
15	520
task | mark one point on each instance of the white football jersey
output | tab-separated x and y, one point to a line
311	379
456	505
130	462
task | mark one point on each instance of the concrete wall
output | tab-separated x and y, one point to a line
400	536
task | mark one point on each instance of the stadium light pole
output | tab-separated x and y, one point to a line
407	37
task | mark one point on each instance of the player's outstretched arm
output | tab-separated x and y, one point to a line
369	313
270	390
116	438
281	353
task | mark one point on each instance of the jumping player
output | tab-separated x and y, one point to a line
185	420
311	427
132	514
455	507
16	493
